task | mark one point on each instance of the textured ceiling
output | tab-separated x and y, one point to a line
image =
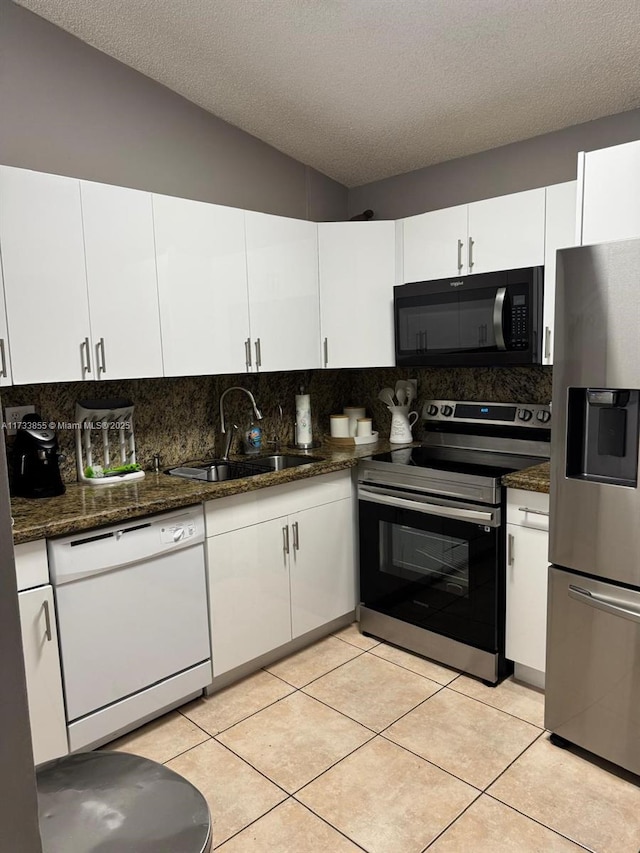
365	89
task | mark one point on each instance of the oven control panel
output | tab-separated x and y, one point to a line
532	415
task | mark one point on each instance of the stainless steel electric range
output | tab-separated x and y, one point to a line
432	532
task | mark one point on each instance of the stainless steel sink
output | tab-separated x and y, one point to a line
280	461
218	470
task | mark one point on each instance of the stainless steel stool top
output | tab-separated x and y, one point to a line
113	802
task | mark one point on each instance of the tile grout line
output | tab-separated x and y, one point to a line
540	823
455	820
511	763
495	708
329	824
218	846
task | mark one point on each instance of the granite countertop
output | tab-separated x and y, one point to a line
86	507
534	479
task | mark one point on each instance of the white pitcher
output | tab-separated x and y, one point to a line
401	424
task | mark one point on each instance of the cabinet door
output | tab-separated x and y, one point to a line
611	202
357	275
44	277
559	233
202	285
526	635
121	279
5	358
284	311
435	244
323	566
249	601
42	668
507	232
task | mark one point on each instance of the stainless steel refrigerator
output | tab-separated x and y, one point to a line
593	628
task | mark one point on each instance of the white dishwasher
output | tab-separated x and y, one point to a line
132	620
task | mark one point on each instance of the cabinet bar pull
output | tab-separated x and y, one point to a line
258	353
47	620
547	342
510	549
532	511
296	536
247	353
285	538
102	364
470	253
86	364
3	359
460	244
326	352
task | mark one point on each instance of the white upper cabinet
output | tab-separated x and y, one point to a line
45	282
502	233
5	357
284	311
560	233
202	285
506	232
435	244
121	278
610	198
357	275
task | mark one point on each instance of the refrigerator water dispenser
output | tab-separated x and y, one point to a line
602	435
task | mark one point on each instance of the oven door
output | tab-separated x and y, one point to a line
432	562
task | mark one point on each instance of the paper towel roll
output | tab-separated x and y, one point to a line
303	419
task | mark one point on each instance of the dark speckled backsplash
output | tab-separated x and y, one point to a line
179	417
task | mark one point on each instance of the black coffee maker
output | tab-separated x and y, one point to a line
36	472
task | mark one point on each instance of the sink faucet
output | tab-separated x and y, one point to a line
256	412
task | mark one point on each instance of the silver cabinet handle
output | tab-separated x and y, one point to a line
296	536
510	549
47	620
470	253
100	359
326	352
532	511
285	539
86	364
258	353
3	359
247	353
460	244
498	306
608	605
547	342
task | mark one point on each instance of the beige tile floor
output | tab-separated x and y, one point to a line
354	745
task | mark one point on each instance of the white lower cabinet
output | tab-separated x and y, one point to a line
281	562
41	657
527	573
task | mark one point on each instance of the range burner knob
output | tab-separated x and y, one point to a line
544	417
447	411
525	414
432	410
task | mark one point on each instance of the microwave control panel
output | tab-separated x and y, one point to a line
519	337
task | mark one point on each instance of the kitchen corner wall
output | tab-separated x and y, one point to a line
179	417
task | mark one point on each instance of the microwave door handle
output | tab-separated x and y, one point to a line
498	307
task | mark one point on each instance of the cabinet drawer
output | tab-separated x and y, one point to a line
32	567
528	509
250	508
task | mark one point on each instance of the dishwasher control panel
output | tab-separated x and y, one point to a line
178	531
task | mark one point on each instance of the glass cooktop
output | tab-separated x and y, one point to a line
460	461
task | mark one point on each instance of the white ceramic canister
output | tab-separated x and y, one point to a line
353	413
339	426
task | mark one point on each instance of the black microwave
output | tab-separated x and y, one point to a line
483	320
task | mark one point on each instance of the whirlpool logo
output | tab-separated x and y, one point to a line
456	283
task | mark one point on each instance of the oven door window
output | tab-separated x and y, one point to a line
437	573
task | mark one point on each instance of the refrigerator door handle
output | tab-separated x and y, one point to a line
608	605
